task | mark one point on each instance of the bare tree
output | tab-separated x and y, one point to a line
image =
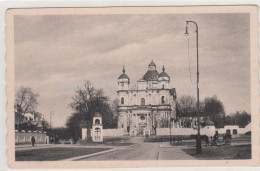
26	101
87	101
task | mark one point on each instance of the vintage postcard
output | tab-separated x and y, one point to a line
124	87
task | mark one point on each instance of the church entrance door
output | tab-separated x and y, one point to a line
142	124
142	127
141	130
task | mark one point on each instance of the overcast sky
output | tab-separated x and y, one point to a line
53	54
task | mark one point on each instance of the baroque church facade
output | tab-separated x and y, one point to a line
147	105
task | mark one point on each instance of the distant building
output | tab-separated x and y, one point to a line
35	118
147	105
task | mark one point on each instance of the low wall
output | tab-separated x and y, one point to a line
105	133
234	127
113	132
209	131
23	138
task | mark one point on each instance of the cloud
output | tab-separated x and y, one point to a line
53	54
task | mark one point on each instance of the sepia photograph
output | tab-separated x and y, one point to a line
133	84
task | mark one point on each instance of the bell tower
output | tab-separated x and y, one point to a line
123	81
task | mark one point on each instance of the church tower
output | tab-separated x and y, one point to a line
123	81
164	79
123	88
152	66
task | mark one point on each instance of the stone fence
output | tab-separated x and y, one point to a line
105	133
113	132
25	137
209	131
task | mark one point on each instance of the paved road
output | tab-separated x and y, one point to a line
144	151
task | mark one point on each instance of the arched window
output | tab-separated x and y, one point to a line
162	100
122	100
97	121
228	131
142	102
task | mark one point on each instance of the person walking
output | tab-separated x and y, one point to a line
33	140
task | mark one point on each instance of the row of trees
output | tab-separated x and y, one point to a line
213	109
239	118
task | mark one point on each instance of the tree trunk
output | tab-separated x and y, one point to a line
76	134
89	138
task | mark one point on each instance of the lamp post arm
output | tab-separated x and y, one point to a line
193	23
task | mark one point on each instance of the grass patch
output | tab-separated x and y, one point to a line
109	141
221	152
115	139
52	154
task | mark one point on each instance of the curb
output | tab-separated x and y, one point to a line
89	155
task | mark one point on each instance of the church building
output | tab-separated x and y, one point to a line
147	105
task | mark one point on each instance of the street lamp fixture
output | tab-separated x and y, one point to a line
198	141
186	33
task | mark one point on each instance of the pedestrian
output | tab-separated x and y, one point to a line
33	140
207	141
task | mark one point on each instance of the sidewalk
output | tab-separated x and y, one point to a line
168	152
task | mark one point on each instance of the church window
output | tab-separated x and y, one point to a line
142	102
122	100
163	100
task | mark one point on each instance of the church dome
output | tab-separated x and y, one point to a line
164	74
123	75
151	74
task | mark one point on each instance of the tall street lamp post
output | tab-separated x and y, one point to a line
51	114
198	141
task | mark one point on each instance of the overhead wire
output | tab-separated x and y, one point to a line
189	58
